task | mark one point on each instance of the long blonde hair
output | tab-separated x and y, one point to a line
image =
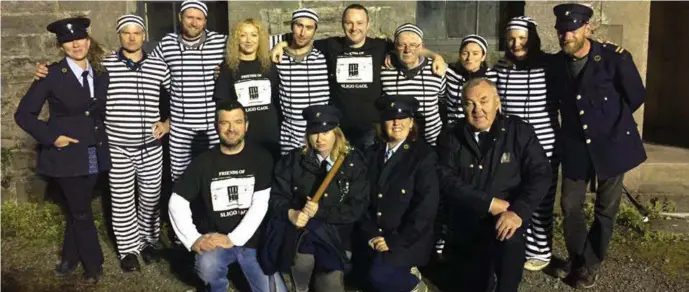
262	52
341	146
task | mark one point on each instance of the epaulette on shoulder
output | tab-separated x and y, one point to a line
611	46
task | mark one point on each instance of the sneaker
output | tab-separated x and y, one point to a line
586	278
535	265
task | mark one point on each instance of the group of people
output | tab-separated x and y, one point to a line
346	155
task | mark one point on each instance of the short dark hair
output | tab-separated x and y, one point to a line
358	7
229	105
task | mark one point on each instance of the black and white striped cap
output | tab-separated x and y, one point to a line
521	23
127	19
477	39
305	12
409	27
194	4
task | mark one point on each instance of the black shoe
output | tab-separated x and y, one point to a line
92	278
130	263
150	254
586	278
65	269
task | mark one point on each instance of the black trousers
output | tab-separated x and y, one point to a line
477	261
81	237
588	247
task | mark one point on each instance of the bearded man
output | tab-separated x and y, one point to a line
599	88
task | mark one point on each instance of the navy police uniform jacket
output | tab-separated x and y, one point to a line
599	133
404	201
513	167
73	113
297	176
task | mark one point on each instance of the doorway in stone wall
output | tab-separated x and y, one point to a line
667	101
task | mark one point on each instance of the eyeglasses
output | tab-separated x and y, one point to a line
410	46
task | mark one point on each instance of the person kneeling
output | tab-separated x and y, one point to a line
318	239
233	181
493	173
404	199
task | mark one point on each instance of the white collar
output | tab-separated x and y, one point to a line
394	149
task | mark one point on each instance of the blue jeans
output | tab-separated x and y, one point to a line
212	267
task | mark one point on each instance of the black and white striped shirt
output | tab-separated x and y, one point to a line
455	83
193	81
133	99
301	84
523	93
426	87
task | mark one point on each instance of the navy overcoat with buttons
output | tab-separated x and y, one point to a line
73	113
404	201
598	130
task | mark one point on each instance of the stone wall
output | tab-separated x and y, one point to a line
385	15
25	41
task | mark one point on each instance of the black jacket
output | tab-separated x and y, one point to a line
72	113
297	175
514	168
598	129
404	201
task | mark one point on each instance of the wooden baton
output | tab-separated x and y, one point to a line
328	178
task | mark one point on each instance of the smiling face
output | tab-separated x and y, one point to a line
248	39
303	29
355	25
398	129
517	43
573	41
193	22
77	49
231	127
481	104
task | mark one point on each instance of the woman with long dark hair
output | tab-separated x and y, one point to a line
73	147
521	82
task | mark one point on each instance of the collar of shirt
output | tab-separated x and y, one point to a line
394	149
77	70
479	132
320	160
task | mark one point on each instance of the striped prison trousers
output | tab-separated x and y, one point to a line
185	144
136	226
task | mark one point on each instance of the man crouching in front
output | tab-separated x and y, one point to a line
493	172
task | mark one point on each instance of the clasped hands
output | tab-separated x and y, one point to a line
211	241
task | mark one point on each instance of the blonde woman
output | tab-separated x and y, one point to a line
247	75
315	237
